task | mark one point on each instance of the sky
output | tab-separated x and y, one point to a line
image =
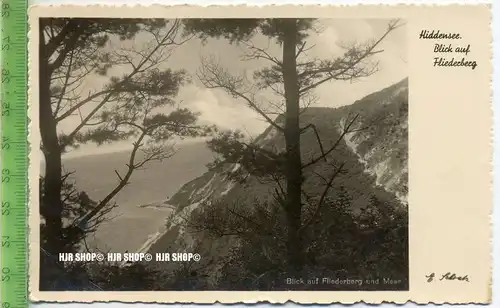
216	107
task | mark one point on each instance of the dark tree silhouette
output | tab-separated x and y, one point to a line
128	106
292	76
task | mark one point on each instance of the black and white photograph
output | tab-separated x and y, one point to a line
239	154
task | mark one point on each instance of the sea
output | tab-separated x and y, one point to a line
142	205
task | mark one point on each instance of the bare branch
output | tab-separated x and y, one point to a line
118	175
346	130
214	77
65	84
260	53
346	68
117	88
123	182
321	201
310	125
303	50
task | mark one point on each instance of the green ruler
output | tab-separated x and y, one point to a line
14	151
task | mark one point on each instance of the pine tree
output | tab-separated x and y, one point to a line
72	50
343	200
292	76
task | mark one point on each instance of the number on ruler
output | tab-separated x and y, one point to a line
5	109
5	241
5	143
5	10
5	208
6	43
5	274
5	175
5	76
11	297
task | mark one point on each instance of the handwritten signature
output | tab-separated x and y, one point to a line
448	276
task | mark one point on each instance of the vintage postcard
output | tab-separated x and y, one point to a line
239	154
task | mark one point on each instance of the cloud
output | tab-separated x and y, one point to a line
216	107
327	42
392	67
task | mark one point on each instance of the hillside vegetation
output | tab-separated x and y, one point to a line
361	233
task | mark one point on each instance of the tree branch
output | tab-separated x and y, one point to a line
55	41
68	47
214	77
260	53
345	131
370	51
123	182
66	79
322	199
310	125
117	88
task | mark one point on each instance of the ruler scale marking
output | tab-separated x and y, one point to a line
13	137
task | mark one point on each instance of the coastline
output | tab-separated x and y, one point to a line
154	237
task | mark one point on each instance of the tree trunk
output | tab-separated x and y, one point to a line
51	207
293	165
